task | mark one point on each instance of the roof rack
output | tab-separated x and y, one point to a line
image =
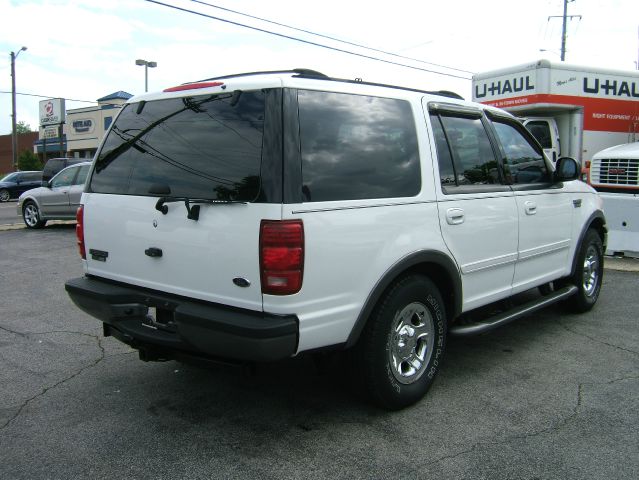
300	72
315	75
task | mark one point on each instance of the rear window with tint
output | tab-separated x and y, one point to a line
357	147
206	147
32	177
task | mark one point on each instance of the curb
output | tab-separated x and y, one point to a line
21	226
621	264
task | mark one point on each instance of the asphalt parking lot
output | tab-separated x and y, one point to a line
550	396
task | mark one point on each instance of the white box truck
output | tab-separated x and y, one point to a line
577	111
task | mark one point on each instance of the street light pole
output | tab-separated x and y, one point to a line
14	135
147	65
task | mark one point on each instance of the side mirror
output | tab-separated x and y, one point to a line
45	183
567	169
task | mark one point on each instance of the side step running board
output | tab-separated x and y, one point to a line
506	317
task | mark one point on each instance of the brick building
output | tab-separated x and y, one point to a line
25	142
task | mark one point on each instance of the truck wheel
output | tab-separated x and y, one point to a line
402	346
588	276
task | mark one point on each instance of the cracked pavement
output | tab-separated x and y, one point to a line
550	396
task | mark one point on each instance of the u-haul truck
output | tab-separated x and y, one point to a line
577	111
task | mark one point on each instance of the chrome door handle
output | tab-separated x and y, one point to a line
530	207
454	216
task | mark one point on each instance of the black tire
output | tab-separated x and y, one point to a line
588	275
31	215
407	328
4	195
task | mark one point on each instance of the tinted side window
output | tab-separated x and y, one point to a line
473	158
444	157
53	164
357	147
524	163
32	177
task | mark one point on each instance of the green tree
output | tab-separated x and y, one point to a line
23	127
28	160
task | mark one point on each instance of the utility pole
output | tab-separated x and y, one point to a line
563	31
564	21
14	135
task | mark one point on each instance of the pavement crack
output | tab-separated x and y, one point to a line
553	428
61	382
568	329
14	332
26	334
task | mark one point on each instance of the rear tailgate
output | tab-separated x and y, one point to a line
216	151
199	259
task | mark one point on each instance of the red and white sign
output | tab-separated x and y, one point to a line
52	111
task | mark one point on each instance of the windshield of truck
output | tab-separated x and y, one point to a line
206	147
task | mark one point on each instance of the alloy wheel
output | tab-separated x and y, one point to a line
411	342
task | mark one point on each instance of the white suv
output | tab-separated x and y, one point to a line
257	216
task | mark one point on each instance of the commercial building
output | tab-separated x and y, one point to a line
83	130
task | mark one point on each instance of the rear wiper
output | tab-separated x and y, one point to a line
191	204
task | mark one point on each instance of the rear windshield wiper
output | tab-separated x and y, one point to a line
191	204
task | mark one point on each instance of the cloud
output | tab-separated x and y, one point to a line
86	49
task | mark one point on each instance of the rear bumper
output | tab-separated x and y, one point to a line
171	325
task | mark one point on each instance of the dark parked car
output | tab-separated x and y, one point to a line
13	184
54	165
58	200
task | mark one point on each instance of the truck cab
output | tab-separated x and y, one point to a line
546	132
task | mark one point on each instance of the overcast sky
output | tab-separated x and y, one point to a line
86	49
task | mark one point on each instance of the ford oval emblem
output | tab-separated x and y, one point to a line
241	282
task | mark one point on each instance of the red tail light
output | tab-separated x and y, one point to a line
79	231
281	256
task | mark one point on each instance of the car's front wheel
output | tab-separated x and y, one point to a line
588	276
31	216
4	195
402	346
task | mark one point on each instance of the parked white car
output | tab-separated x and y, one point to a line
57	199
258	216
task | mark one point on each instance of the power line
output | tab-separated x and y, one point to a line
50	96
308	42
329	37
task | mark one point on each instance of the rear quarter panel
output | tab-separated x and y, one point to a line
350	245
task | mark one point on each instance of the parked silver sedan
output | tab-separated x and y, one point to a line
58	199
